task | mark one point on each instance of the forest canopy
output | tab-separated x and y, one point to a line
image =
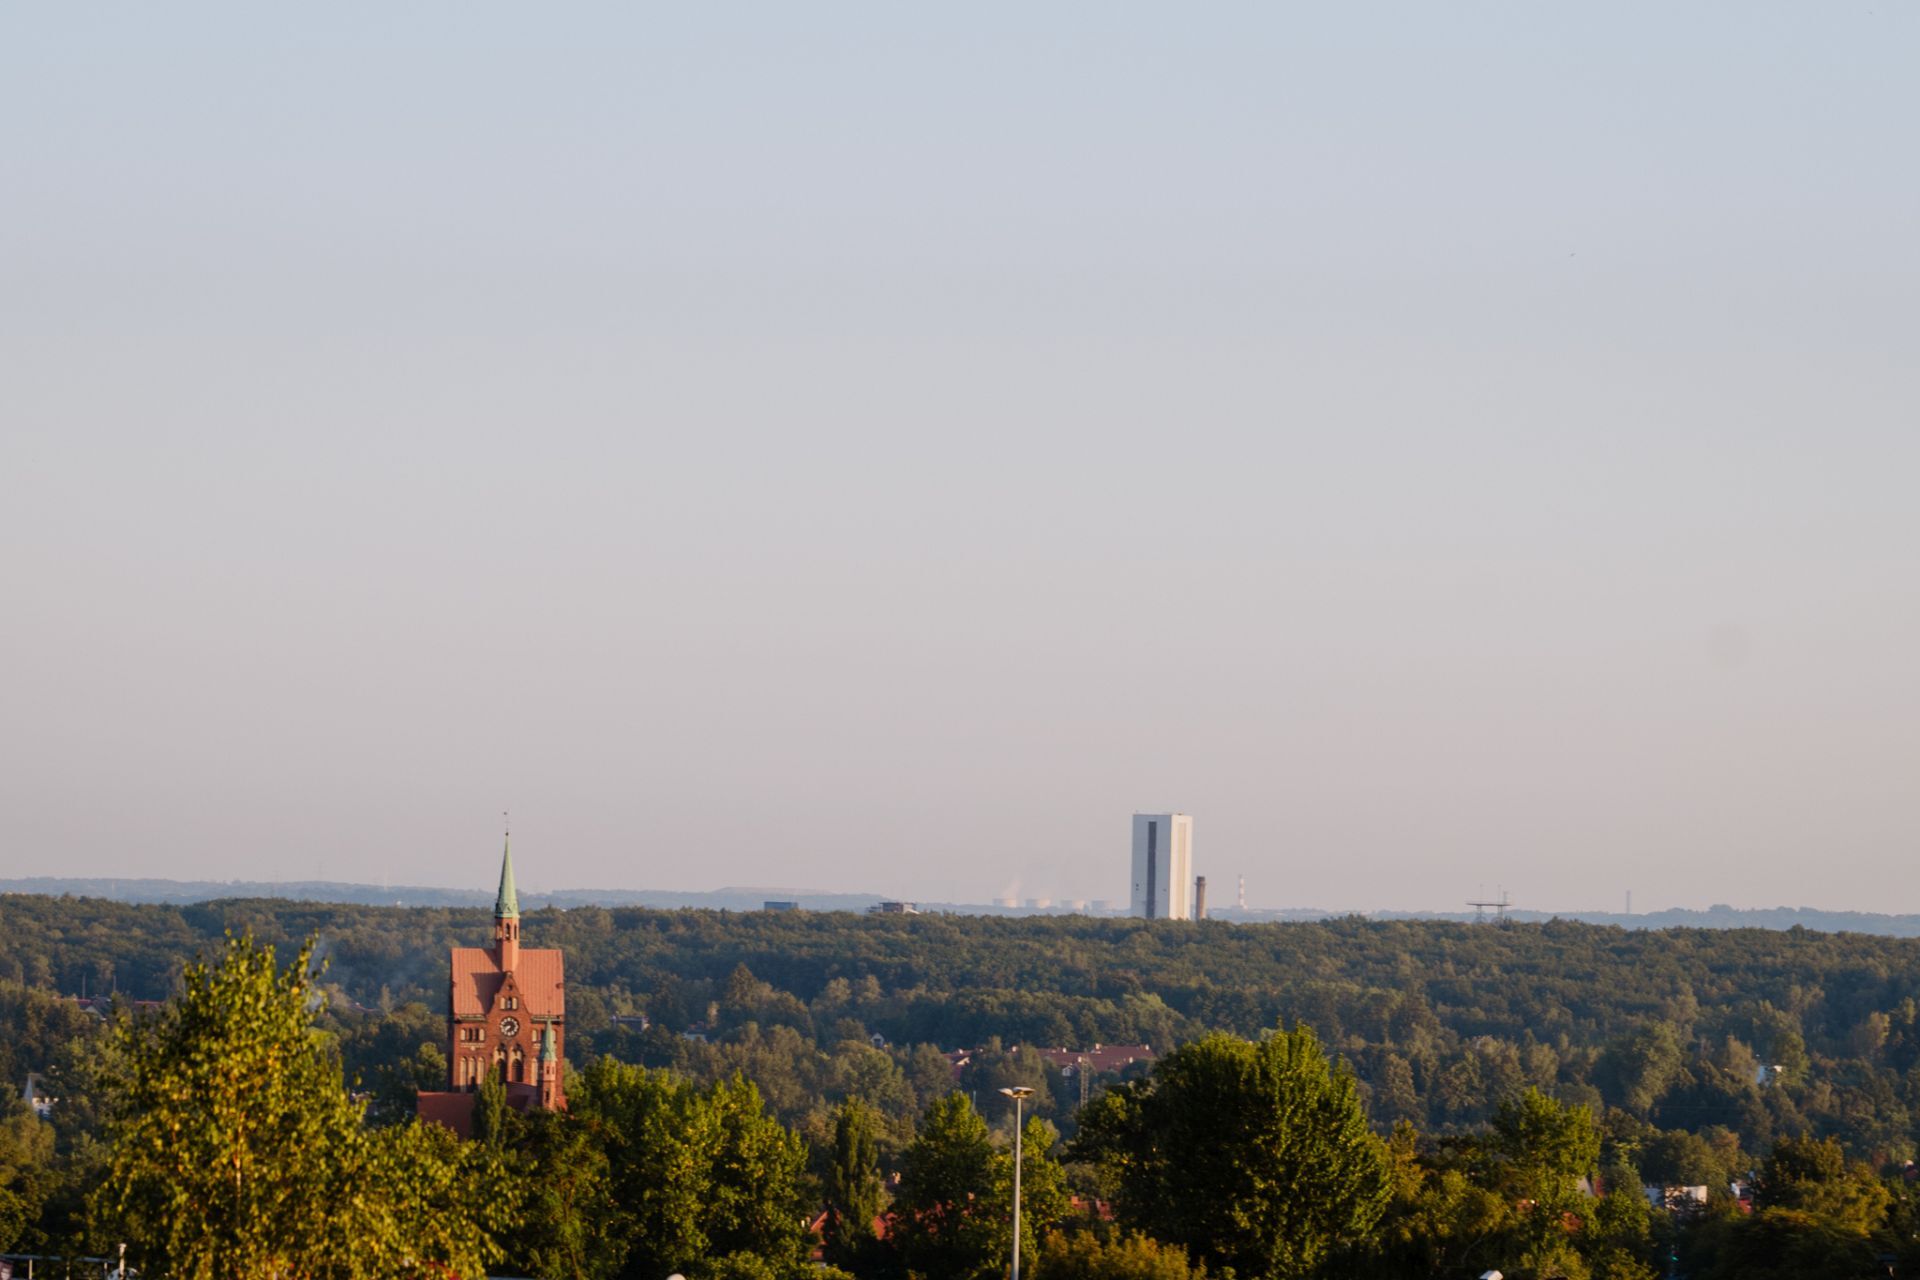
1516	1085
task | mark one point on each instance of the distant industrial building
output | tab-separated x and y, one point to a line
894	909
1163	866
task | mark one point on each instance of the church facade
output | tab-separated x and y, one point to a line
507	1012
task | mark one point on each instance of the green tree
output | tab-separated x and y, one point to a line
1545	1147
563	1162
757	1205
81	1078
1679	1157
1082	1255
421	1201
943	1224
26	1176
1044	1197
236	1151
1438	1221
1253	1156
494	1122
953	1216
1618	1241
854	1191
1814	1176
1786	1244
1641	1067
1540	1150
707	1184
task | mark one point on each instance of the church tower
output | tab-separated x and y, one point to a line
507	1013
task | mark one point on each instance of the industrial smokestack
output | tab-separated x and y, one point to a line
1199	897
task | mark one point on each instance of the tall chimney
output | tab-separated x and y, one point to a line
1199	897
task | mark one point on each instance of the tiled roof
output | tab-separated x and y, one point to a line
454	1110
541	975
1102	1057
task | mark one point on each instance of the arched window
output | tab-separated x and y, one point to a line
519	1065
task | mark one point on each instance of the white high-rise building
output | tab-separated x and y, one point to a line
1163	866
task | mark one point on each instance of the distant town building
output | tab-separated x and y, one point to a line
894	909
1101	1059
1676	1199
100	1008
779	906
1163	866
508	1014
35	1096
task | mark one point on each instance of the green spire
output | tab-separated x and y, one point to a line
547	1051
507	905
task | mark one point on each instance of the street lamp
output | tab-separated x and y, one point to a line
1019	1094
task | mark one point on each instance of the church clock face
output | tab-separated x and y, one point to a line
509	1026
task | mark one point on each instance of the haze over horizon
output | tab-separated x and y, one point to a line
883	450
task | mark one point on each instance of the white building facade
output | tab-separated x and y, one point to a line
1163	866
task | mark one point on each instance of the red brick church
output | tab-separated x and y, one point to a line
507	1010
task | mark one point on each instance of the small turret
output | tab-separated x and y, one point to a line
549	1070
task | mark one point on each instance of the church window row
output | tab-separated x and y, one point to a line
473	1067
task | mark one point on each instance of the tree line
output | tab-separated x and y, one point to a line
225	1142
1697	1059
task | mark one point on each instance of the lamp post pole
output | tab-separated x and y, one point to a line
1019	1094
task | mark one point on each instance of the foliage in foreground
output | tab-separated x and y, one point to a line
694	1169
1256	1157
953	1216
237	1152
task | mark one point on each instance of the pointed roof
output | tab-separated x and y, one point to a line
507	905
540	976
547	1051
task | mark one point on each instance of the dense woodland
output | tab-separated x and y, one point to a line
1773	1060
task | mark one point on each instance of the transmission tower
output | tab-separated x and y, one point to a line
1499	909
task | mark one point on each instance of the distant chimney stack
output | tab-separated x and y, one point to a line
1199	897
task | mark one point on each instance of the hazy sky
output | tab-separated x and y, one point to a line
880	447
